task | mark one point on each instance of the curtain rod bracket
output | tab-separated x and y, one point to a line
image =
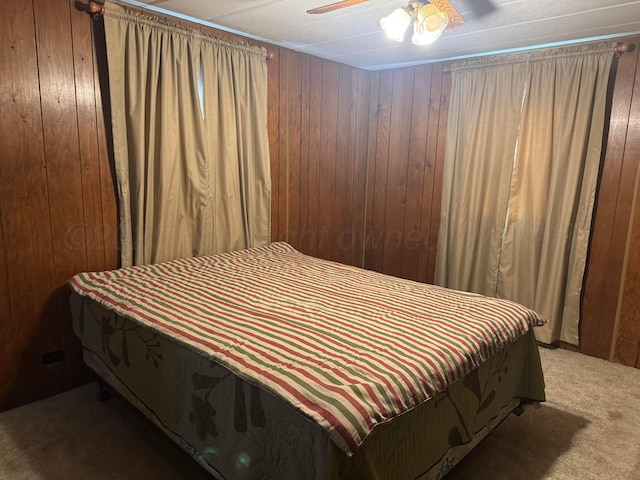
624	47
95	9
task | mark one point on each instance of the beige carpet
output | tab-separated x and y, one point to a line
588	429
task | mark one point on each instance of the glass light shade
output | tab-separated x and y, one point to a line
395	24
429	25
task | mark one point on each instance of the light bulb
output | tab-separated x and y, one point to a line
395	24
430	23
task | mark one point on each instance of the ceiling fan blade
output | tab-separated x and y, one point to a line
335	6
478	8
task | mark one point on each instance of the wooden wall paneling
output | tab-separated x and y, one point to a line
343	181
24	198
624	214
303	189
283	152
381	167
359	145
627	337
294	120
7	365
435	104
61	146
396	190
406	158
438	168
314	159
83	61
612	214
273	127
416	172
64	175
348	237
372	143
328	143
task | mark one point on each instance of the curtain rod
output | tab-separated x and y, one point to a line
96	10
621	48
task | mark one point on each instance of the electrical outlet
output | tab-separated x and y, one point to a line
53	357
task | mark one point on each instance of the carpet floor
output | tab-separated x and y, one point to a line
588	429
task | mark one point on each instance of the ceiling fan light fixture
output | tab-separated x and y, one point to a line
429	24
430	18
396	23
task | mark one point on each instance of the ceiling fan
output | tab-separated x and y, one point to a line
335	6
478	8
430	18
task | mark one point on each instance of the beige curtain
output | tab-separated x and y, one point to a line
522	157
189	115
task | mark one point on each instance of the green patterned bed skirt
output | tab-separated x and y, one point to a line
238	431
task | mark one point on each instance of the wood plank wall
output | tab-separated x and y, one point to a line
610	317
57	201
359	163
626	333
356	177
407	131
321	160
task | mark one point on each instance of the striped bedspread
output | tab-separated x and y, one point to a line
347	347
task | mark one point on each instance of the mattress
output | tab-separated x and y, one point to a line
267	363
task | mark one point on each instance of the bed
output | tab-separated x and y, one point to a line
266	363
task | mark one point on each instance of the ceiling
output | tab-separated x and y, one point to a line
353	36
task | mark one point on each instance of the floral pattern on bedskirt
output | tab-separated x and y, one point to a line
237	430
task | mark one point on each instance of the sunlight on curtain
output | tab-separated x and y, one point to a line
522	157
189	115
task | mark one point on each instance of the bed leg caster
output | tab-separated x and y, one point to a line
518	410
103	393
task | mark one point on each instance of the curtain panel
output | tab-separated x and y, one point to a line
189	119
522	157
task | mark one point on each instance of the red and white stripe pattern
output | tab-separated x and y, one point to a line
347	347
